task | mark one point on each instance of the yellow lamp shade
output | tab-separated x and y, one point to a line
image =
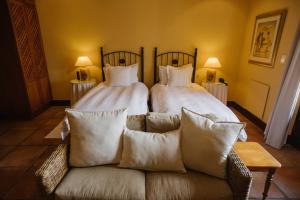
212	62
83	61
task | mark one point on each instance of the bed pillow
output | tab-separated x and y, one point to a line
134	73
162	122
163	75
119	76
152	151
95	137
133	70
206	144
180	76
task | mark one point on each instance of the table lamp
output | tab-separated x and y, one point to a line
83	61
212	63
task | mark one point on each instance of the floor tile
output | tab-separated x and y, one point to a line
9	176
4	150
258	184
288	180
25	189
14	137
22	156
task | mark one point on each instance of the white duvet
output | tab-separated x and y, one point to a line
167	99
107	98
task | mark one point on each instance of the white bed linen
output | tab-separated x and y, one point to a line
107	98
166	99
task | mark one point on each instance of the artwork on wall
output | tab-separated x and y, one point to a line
266	37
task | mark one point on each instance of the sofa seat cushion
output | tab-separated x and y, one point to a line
192	185
102	182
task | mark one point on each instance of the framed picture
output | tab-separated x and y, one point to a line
266	37
82	74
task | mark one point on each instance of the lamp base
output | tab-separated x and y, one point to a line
211	75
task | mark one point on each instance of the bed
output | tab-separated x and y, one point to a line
170	99
106	98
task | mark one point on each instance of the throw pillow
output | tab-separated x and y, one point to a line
162	122
95	137
206	144
152	151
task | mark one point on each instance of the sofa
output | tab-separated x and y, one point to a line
59	181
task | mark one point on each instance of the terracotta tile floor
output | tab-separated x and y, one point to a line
23	149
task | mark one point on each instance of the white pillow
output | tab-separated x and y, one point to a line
206	144
119	76
134	73
152	151
163	75
132	68
96	137
180	76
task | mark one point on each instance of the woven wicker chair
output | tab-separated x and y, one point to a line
54	169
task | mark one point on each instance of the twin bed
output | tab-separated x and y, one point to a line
105	98
164	98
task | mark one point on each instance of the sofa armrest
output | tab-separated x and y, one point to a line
239	177
53	169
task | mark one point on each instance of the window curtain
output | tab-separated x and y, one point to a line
277	126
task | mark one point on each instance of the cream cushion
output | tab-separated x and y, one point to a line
152	151
96	137
162	122
206	144
102	182
136	122
191	185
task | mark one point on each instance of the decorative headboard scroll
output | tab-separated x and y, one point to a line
174	58
123	58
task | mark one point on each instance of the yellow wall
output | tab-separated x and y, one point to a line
71	28
269	76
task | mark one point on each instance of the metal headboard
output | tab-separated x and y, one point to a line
174	58
123	58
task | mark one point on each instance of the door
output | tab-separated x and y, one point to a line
31	53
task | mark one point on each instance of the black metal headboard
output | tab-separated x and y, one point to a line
123	58
174	58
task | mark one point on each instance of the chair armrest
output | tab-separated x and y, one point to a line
53	169
239	177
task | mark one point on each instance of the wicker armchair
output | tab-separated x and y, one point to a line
54	169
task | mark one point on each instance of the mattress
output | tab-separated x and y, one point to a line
167	99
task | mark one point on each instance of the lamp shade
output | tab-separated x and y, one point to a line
212	62
83	61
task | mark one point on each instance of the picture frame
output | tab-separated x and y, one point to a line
83	74
266	37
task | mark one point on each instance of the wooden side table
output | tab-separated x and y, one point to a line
219	90
80	88
256	158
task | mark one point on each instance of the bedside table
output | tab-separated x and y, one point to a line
80	88
219	90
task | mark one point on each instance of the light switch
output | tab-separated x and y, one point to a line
282	59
